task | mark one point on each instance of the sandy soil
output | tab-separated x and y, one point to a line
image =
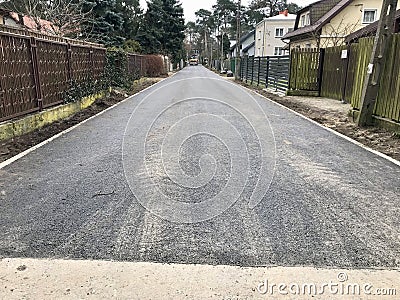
68	279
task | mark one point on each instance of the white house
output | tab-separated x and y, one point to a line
269	33
246	45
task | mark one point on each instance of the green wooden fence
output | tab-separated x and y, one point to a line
388	104
334	73
359	56
343	78
304	69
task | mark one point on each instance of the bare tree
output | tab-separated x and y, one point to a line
59	17
334	35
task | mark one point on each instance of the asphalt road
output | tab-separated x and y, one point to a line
196	170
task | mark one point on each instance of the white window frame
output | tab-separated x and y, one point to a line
280	29
281	52
307	19
303	21
369	10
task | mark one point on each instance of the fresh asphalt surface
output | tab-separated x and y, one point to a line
330	202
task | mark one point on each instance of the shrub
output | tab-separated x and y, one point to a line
154	66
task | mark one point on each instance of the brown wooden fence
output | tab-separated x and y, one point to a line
35	72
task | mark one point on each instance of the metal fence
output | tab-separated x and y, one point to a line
272	72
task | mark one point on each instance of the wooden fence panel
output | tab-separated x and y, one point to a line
136	65
81	63
304	71
388	104
264	66
53	71
249	71
334	72
360	54
17	81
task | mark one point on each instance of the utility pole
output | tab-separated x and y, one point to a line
374	72
222	49
237	58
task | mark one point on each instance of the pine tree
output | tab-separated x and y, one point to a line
150	30
162	29
106	24
131	13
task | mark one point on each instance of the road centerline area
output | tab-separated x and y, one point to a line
198	172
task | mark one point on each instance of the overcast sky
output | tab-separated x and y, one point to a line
190	6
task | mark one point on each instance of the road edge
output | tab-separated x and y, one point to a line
31	149
349	139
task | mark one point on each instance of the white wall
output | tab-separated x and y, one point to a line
266	39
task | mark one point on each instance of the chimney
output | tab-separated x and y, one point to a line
285	12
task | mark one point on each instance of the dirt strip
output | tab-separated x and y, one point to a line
334	114
12	147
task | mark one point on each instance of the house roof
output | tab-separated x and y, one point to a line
243	38
278	18
30	23
369	30
249	46
321	13
281	17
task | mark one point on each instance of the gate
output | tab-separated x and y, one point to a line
305	69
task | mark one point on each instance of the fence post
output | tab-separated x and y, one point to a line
346	70
247	68
69	58
320	69
252	70
36	74
258	75
290	86
267	73
91	60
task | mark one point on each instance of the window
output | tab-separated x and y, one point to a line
278	51
308	45
303	21
308	19
259	34
369	15
279	32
